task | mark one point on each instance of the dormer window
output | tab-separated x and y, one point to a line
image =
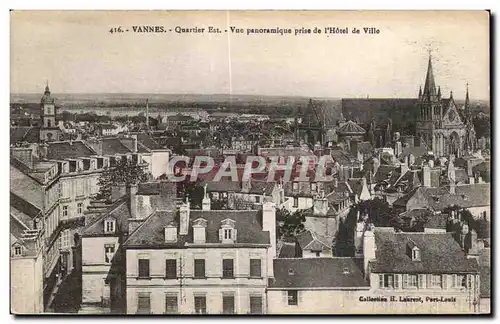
171	233
291	272
199	230
227	233
18	250
313	187
295	186
413	251
416	254
109	225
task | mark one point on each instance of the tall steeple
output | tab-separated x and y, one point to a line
420	92
430	84
467	101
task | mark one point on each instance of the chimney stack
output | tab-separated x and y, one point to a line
426	176
269	225
368	248
184	211
132	192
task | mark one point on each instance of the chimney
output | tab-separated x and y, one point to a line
246	185
269	225
320	205
117	192
341	173
471	244
358	239
205	203
426	176
335	182
132	193
376	164
368	248
23	154
143	203
184	211
404	168
452	188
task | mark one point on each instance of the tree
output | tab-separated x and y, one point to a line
126	172
192	190
378	211
289	224
344	241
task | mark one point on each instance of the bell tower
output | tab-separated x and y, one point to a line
48	129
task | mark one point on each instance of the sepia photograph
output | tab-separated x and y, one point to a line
250	162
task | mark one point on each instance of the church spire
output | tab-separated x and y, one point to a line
439	92
467	102
47	90
430	85
420	92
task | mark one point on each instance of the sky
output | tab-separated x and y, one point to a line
75	53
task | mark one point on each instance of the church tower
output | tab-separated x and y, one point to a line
470	132
439	126
48	129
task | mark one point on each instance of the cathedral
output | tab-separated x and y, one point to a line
440	125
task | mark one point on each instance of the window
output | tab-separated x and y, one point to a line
460	281
415	254
228	304
79	208
65	239
200	304
228	268
143	304
313	187
199	268
386	281
18	251
412	280
143	268
421	281
171	306
171	268
65	211
257	199
109	226
435	280
293	297
295	202
109	252
295	186
255	268
317	253
255	304
227	234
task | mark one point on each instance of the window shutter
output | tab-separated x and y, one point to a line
405	281
421	281
285	297
234	234
300	297
221	234
428	280
380	281
444	281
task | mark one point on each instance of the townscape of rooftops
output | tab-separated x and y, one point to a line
402	226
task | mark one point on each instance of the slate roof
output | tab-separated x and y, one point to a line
151	233
484	169
112	146
350	127
319	272
416	151
23	206
147	141
439	253
67	150
312	241
24	134
287	250
118	210
225	185
26	187
466	196
485	273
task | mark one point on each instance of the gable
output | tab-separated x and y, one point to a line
451	115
